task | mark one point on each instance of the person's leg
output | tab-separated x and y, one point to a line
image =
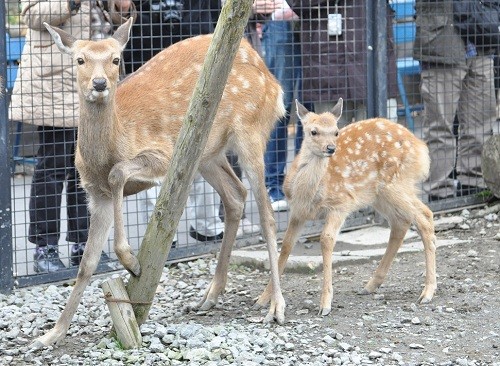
78	215
476	115
440	89
45	200
277	43
203	212
246	226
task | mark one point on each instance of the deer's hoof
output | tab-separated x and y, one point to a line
364	292
324	311
206	305
134	268
36	345
274	317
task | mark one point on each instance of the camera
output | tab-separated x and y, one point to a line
167	11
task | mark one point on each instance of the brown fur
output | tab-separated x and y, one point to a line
375	163
126	138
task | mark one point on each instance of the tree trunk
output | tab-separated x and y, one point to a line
192	139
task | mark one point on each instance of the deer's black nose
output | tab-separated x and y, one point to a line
99	84
330	149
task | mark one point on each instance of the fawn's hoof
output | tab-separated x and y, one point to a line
363	292
206	305
324	311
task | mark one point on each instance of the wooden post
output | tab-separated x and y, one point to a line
192	139
122	313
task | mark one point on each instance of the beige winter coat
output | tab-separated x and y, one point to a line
45	90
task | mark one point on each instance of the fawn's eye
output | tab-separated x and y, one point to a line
314	132
336	133
80	61
116	60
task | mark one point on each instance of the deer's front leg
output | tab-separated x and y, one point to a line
100	224
327	240
148	166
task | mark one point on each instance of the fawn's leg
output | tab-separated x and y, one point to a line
148	166
328	239
101	218
425	225
398	232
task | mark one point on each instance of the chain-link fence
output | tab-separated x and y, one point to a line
363	51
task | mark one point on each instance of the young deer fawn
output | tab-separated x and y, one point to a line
374	162
127	134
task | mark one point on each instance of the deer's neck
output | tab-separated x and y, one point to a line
97	131
307	193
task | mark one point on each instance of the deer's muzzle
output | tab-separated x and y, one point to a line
99	84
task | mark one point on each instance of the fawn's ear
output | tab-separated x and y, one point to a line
122	34
337	109
64	41
301	110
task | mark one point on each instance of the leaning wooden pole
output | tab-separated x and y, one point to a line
187	153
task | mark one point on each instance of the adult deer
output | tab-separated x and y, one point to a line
127	134
374	162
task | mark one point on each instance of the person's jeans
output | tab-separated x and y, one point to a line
282	57
54	168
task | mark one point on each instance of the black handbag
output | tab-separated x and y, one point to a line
478	22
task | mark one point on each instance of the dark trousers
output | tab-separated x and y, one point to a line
56	167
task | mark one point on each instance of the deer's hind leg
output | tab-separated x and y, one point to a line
251	156
219	174
295	225
146	168
425	226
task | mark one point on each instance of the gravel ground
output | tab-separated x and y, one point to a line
461	326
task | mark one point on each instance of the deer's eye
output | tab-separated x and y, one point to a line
314	132
116	61
336	133
80	61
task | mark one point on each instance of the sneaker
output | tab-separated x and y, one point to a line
77	253
247	228
46	259
200	237
277	199
279	205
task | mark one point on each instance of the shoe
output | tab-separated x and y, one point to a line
434	198
46	259
200	237
465	190
77	253
247	228
277	199
279	205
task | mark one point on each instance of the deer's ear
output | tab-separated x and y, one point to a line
301	110
63	39
337	109
122	34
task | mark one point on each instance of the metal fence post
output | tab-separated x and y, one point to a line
6	268
376	38
381	57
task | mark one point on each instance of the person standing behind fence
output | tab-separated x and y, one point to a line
45	95
334	56
281	52
457	79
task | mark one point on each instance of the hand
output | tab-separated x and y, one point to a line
285	14
266	6
123	6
